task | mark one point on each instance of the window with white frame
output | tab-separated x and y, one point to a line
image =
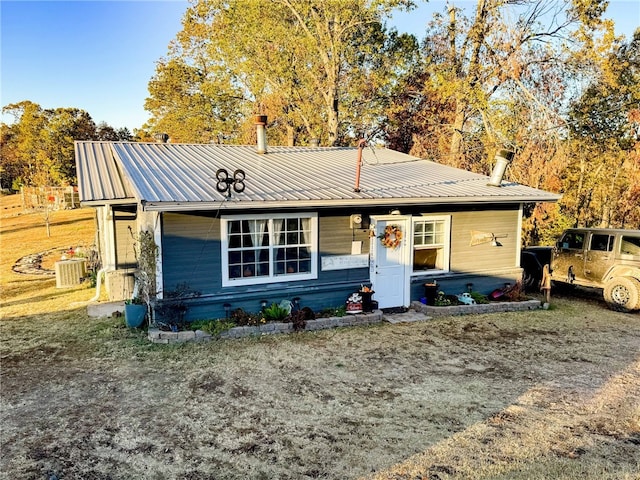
268	248
431	240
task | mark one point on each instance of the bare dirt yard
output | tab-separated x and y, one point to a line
549	394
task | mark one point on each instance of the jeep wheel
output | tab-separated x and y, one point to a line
622	294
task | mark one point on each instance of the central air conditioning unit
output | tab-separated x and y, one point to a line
70	272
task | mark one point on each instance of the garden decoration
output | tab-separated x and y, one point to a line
392	236
466	299
354	303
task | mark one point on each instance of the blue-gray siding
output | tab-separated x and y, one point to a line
192	255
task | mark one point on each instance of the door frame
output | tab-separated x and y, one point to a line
405	245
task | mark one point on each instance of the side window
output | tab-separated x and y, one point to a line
630	246
431	243
601	242
572	241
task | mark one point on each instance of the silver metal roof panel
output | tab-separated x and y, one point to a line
99	178
183	177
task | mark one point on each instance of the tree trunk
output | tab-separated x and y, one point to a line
291	136
455	149
333	118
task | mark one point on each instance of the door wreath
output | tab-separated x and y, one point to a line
392	236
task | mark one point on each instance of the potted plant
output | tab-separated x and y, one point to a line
366	293
146	252
134	312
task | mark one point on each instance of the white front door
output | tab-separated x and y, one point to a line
389	263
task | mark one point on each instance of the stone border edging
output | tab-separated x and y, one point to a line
493	307
157	336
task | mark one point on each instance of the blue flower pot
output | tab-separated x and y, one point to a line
134	315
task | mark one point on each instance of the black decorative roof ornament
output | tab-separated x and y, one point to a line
225	181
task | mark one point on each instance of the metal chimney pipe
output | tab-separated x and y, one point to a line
503	159
261	123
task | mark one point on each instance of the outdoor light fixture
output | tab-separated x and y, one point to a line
296	303
227	309
225	181
494	241
263	304
469	287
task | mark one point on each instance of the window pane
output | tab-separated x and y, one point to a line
292	238
305	266
262	269
234	241
630	245
601	243
573	240
292	224
425	259
253	252
234	226
429	240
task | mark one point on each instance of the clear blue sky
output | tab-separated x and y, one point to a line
100	55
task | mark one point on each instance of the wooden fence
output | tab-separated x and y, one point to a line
54	198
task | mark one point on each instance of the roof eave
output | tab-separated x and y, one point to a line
355	202
110	201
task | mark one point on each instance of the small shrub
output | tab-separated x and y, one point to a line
443	300
340	311
515	293
308	313
212	327
299	320
479	298
242	318
172	309
275	313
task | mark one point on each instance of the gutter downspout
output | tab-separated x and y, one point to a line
99	277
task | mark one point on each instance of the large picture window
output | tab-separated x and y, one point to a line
263	248
431	244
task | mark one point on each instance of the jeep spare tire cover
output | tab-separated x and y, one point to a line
623	294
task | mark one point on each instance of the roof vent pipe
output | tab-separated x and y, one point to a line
261	130
503	159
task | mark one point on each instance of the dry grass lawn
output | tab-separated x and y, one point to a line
531	395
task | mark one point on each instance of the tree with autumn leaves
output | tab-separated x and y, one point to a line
319	69
37	148
546	79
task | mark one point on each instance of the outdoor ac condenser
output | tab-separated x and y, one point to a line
70	272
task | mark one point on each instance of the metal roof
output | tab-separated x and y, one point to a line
173	177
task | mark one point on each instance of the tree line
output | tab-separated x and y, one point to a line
547	79
37	148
